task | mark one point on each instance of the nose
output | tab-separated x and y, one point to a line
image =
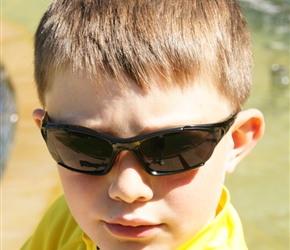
130	183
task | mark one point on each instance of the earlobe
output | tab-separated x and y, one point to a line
247	130
37	116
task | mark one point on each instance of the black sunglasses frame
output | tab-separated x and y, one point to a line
132	144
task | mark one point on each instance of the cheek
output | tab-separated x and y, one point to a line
192	197
192	193
81	192
216	167
73	183
187	205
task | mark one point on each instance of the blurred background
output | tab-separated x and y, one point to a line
259	187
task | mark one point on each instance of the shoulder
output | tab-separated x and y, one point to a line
57	230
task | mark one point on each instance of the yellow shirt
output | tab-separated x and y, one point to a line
59	231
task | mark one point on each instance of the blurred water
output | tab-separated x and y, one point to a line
260	185
8	117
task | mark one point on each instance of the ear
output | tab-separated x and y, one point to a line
37	116
247	130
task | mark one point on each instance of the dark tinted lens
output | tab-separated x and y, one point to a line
79	151
179	150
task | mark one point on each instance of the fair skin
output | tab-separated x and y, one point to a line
128	208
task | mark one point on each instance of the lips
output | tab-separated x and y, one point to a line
133	230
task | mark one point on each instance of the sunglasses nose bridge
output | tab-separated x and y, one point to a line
133	148
118	147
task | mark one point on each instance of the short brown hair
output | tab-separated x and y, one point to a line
176	38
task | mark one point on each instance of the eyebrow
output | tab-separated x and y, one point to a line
90	124
113	129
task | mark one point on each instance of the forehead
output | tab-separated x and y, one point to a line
109	107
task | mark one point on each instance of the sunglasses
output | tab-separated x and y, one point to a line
164	152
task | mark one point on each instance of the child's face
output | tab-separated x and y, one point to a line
128	208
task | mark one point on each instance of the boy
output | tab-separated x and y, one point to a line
142	112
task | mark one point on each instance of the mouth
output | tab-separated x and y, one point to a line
133	231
